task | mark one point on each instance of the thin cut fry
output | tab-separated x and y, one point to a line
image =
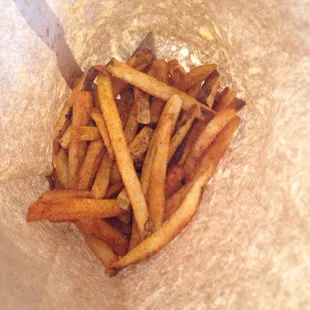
227	96
122	155
182	128
65	194
77	149
90	165
209	133
142	105
100	248
124	105
61	167
135	238
72	209
100	229
85	133
174	179
131	126
152	86
207	166
209	89
102	179
66	138
159	239
156	192
101	124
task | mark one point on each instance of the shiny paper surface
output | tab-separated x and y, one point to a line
248	247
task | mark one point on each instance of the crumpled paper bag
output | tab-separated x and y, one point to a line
248	246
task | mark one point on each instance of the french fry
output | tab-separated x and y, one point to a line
61	167
194	91
213	128
176	71
72	209
102	179
139	61
182	128
65	194
114	190
174	179
135	238
100	248
153	87
77	149
163	132
159	239
124	105
131	126
142	105
226	97
96	115
101	229
209	88
207	166
95	97
85	133
123	200
66	138
137	149
122	155
90	165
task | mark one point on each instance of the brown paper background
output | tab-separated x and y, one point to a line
249	245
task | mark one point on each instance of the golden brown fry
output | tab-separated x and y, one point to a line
142	105
124	105
72	209
182	128
114	190
90	165
122	155
101	229
226	97
85	133
174	179
77	149
100	248
197	75
96	115
209	88
156	191
153	87
207	165
194	91
135	238
65	194
66	138
95	97
61	167
137	149
131	126
167	232
102	179
213	128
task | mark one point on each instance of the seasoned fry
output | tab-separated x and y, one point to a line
156	191
207	166
137	149
65	194
90	165
124	105
61	166
226	97
159	71
101	124
174	179
100	229
182	128
114	190
209	134
100	248
77	149
131	126
85	133
102	179
152	86
135	238
72	209
142	105
167	232
122	155
66	138
209	88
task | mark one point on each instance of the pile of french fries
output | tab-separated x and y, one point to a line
134	147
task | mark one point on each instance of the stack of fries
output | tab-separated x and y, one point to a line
134	146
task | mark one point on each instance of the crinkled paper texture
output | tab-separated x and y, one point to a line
248	246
